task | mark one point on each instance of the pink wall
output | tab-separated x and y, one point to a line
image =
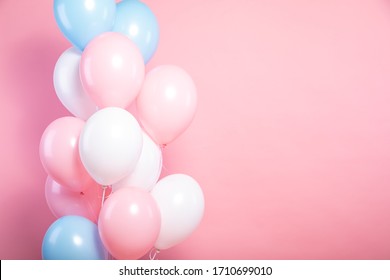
291	141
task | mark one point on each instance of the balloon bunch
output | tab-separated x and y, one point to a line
104	163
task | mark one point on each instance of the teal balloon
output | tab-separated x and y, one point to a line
137	21
73	238
82	20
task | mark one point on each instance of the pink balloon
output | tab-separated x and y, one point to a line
129	223
59	153
63	202
167	103
112	70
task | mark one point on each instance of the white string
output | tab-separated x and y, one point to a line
104	194
109	257
153	256
163	167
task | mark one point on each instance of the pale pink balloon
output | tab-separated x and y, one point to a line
63	202
59	153
112	70
167	103
129	223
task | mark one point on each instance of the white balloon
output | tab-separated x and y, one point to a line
181	203
67	85
110	145
147	170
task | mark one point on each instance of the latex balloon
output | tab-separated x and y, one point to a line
137	21
82	20
110	145
112	70
181	203
73	238
59	153
129	223
167	103
147	170
64	202
67	85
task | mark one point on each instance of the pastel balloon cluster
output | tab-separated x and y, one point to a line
103	162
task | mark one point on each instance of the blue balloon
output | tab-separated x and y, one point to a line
73	238
135	20
82	20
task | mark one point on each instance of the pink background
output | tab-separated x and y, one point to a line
291	141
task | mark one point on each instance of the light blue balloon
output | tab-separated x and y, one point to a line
82	20
73	238
135	20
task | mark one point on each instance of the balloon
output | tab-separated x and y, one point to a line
64	202
68	86
135	20
167	103
181	203
112	70
147	170
110	145
129	223
82	20
73	238
59	153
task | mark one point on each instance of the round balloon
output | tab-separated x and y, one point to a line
68	86
167	103
129	223
64	202
181	203
110	145
59	153
137	21
73	238
82	20
112	70
147	170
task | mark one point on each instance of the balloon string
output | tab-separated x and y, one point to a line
163	167
153	256
104	193
109	256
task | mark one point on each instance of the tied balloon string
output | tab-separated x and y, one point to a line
109	256
104	193
163	167
153	254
